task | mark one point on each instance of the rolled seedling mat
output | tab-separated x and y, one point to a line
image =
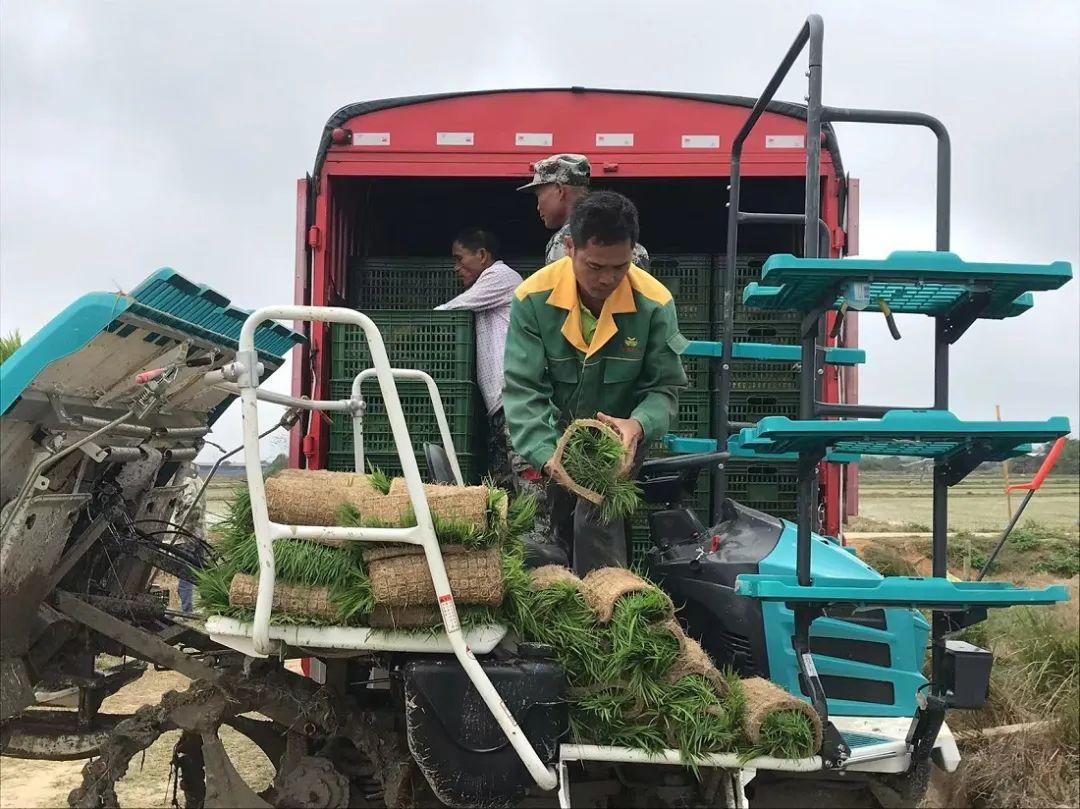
763	699
693	661
383	617
550	575
568	481
289	599
315	498
400	576
466	504
603	587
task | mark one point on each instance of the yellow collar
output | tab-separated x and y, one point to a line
564	295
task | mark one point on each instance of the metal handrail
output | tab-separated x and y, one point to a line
408	374
422	534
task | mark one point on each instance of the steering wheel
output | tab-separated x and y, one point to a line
660	467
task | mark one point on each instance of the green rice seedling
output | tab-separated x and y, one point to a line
642	650
10	344
379	479
594	459
355	599
212	588
520	516
557	616
697	719
784	734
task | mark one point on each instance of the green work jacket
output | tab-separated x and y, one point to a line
630	368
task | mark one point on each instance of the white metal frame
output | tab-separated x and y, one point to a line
246	371
407	374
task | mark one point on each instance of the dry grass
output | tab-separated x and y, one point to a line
1036	677
977	504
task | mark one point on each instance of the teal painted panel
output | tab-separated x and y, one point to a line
769	352
905	632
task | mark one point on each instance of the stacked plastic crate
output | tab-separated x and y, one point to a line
759	389
399	295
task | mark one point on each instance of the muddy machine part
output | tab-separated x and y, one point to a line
100	411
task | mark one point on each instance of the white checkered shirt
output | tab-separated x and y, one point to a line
490	299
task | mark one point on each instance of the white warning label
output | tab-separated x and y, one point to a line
449	613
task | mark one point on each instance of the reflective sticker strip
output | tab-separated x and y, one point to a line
533	139
453	138
785	141
614	138
449	614
808	665
701	141
371	139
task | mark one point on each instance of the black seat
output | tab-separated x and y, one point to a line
669	480
438	464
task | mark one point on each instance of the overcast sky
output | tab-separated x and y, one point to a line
139	134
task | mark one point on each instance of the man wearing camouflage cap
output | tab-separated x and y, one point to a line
559	182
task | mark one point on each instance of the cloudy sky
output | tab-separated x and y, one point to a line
140	134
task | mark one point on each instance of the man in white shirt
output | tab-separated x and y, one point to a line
489	287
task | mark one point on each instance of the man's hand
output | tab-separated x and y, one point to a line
629	430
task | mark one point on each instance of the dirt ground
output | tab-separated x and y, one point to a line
26	784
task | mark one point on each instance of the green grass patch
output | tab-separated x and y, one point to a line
9	344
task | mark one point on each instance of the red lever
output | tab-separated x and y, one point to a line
1044	470
148	376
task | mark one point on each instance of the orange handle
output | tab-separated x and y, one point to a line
1044	470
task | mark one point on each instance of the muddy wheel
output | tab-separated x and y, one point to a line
201	769
321	751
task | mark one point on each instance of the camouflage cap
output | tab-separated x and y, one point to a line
565	169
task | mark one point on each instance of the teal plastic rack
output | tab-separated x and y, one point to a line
682	445
915	433
927	283
898	591
769	352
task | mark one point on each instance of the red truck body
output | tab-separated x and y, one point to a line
400	176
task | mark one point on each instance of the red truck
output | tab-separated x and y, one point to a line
399	176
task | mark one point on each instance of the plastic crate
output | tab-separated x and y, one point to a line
473	467
692	418
747	269
402	282
772	488
440	343
688	277
771	377
764	377
754	406
461	401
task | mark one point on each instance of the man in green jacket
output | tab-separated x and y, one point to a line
591	335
